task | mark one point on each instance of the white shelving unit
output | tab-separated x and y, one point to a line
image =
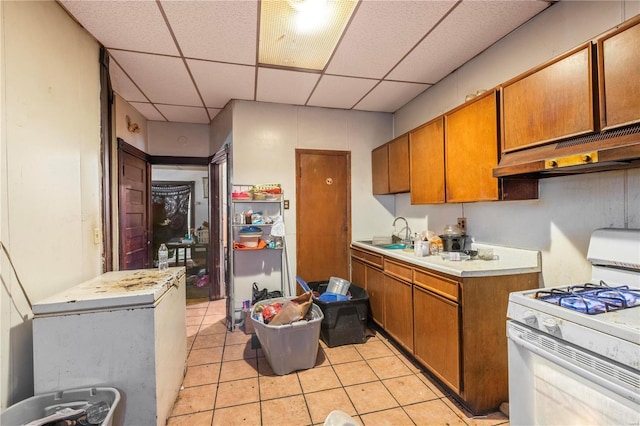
265	266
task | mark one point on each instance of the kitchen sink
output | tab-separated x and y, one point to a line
395	246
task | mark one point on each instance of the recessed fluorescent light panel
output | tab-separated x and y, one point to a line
301	33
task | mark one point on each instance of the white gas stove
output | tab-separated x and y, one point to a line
574	351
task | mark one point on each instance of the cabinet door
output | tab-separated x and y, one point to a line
437	342
619	64
550	102
399	164
471	151
358	273
426	147
375	288
380	169
398	311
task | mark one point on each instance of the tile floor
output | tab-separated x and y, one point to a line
228	383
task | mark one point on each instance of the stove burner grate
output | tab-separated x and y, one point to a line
592	298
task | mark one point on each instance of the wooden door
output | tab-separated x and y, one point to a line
323	219
427	163
437	342
134	196
380	170
399	164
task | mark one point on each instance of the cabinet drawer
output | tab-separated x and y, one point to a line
365	256
398	270
443	286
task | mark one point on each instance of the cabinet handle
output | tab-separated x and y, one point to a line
572	160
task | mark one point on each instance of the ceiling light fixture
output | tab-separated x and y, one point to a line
301	33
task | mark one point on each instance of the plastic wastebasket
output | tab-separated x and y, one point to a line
345	322
289	347
42	405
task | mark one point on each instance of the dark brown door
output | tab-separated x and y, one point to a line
323	222
134	204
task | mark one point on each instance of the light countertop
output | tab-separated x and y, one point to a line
511	261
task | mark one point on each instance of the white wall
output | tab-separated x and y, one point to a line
178	139
265	137
50	184
123	109
569	208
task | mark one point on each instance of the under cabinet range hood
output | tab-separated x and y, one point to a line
607	150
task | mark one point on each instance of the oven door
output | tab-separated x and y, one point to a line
552	382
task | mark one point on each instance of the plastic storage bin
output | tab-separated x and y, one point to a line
42	405
289	347
345	322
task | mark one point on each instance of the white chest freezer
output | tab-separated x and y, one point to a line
123	329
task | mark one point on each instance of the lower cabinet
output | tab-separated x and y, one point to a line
436	330
454	326
398	310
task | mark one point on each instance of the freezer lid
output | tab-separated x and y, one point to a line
112	290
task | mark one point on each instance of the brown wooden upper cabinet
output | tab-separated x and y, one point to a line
619	76
390	166
426	145
549	102
471	150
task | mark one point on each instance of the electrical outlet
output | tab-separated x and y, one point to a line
462	224
96	235
286	204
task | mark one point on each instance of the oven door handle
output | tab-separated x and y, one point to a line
516	336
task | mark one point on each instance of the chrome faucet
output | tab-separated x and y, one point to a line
407	238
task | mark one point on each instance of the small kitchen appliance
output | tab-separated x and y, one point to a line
574	351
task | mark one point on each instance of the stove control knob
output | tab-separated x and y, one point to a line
551	325
529	317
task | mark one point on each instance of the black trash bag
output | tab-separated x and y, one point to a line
263	294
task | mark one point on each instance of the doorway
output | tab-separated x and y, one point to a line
323	219
180	218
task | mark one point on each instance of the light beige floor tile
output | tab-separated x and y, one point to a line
285	411
242	369
201	375
238	337
214	328
341	354
248	414
495	418
197	304
198	419
194	320
432	412
437	388
322	403
204	356
190	340
392	417
208	341
409	390
236	352
389	367
195	399
321	359
279	386
196	311
237	392
373	349
192	330
352	373
213	319
369	397
412	365
317	379
264	368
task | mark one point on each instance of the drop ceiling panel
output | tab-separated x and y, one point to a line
283	86
213	112
129	25
474	25
163	79
123	85
220	82
381	33
182	114
222	31
340	92
389	96
148	110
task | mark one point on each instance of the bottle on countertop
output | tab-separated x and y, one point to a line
163	257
